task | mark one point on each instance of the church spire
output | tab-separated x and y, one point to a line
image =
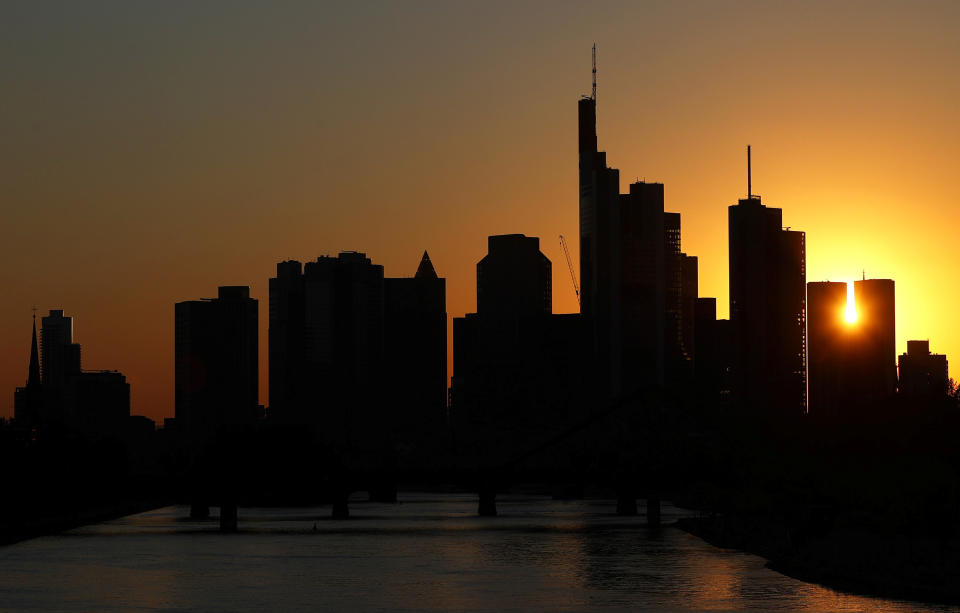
426	267
33	378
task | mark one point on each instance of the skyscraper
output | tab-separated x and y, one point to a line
358	362
708	363
828	348
59	355
876	325
767	309
216	362
680	288
922	373
689	293
415	346
631	275
642	306
515	362
97	402
514	278
59	361
327	343
851	363
287	344
599	251
343	322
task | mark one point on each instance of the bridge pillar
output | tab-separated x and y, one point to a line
653	512
488	503
228	517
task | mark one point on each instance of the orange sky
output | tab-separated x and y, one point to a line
153	152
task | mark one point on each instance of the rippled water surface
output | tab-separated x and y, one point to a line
428	552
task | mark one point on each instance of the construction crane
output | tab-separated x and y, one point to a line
573	276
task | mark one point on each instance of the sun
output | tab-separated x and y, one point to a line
850	313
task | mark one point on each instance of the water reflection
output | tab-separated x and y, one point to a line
427	553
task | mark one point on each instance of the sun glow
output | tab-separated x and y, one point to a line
850	313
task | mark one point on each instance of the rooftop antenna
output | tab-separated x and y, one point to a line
594	94
749	186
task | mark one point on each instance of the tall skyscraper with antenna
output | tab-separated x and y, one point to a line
631	273
767	308
599	245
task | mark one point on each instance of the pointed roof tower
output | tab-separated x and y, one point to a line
33	378
426	268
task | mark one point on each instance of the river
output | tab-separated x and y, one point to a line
429	552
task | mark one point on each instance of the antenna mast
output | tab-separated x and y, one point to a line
594	94
749	187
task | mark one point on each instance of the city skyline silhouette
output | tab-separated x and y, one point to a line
355	364
290	267
156	168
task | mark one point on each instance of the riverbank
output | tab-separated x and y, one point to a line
890	566
14	532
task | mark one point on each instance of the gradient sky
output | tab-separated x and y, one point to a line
153	151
